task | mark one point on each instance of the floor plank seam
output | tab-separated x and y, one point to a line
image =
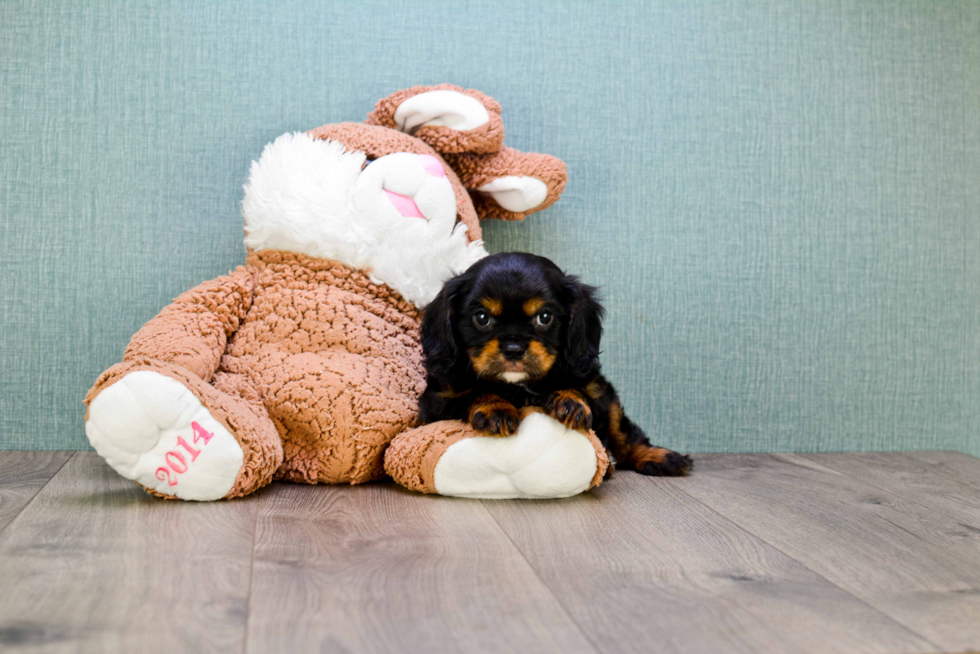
564	608
793	558
34	497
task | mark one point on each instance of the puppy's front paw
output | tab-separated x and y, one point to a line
570	408
494	416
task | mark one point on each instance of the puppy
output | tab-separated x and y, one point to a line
512	334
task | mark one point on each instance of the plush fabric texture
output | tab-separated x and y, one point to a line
306	362
412	456
309	194
477	171
478	155
230	399
486	138
154	430
377	141
544	459
335	358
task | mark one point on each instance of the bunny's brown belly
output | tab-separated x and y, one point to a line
339	371
336	415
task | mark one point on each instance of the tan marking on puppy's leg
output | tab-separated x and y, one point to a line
493	305
641	454
646	459
594	390
659	461
615	433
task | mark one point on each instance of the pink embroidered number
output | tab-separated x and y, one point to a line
193	451
166	476
172	459
200	432
176	462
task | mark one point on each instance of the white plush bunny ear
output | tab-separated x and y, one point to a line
510	184
440	109
517	194
448	118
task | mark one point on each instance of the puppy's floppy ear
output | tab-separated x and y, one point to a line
584	329
438	339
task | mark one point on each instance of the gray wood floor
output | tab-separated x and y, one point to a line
752	553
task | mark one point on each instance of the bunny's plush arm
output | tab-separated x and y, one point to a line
193	330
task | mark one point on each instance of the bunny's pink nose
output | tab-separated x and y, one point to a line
406	206
432	165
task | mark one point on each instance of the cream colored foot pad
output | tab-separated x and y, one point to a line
544	459
150	428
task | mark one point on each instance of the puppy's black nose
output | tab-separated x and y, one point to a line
513	350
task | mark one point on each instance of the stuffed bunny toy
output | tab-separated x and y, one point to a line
304	364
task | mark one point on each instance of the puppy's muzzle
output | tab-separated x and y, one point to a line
513	350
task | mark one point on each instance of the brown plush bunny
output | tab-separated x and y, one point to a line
304	364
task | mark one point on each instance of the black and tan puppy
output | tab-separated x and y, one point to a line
514	331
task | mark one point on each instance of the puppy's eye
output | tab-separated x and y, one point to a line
544	318
482	318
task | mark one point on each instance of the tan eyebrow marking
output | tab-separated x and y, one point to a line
493	305
533	305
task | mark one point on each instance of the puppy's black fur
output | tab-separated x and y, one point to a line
513	333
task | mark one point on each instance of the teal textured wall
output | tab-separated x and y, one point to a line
781	200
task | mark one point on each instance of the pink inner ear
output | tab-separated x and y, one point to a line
406	206
432	165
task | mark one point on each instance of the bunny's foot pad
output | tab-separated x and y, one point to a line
544	459
152	429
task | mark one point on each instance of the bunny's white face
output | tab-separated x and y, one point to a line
405	185
394	217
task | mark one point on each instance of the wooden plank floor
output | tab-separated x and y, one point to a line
752	553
